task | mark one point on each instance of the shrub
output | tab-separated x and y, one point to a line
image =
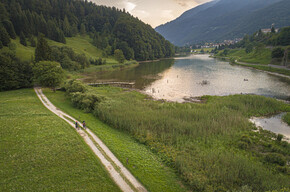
279	137
246	139
275	158
80	97
74	86
277	53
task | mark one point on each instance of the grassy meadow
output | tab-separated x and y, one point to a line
212	146
80	44
145	165
41	152
261	56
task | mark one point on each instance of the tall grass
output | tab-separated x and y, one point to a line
146	166
204	142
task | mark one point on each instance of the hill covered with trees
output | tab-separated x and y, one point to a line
110	28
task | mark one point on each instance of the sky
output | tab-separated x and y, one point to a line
153	12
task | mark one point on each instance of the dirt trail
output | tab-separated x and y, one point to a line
123	178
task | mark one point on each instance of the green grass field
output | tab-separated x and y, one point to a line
22	52
80	44
262	56
143	163
212	146
41	152
83	45
110	67
204	49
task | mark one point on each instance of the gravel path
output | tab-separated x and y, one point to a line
123	178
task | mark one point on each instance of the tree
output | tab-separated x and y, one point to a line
249	48
22	39
32	41
42	51
66	27
83	29
4	36
119	56
14	73
9	28
278	52
273	30
48	74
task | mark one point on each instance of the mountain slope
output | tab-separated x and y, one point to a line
222	19
110	28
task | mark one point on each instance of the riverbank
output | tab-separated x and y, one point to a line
213	141
265	68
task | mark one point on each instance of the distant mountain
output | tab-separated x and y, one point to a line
225	19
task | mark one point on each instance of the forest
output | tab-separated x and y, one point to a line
113	31
110	28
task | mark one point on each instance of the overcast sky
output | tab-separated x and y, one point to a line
153	12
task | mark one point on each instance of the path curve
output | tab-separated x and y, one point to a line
108	159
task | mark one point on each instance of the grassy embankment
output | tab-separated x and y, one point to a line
41	152
261	58
145	165
212	146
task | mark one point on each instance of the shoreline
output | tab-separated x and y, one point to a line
252	66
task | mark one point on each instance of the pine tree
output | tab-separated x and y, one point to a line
9	28
22	39
42	51
83	29
4	36
32	41
66	27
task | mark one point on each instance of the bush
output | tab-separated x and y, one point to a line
277	53
74	86
246	139
275	158
279	137
80	97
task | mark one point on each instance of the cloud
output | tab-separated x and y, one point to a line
187	3
129	6
168	14
141	13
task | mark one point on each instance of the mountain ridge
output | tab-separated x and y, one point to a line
222	19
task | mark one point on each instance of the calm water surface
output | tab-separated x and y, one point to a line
198	75
274	124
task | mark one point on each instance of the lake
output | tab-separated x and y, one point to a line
195	76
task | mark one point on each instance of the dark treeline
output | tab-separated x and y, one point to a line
14	74
110	28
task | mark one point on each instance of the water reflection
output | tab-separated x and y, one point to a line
199	75
186	77
143	75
